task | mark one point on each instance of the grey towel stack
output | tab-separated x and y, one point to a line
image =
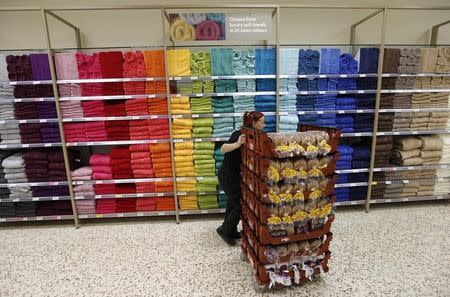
14	169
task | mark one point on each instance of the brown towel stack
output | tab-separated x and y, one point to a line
390	65
410	60
387	100
439	100
428	60
402	101
431	149
406	152
443	60
419	121
383	149
421	100
385	121
438	120
402	121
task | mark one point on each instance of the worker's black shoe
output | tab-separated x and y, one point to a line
228	239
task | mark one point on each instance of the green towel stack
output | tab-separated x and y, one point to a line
200	63
184	87
208	202
204	162
208	86
199	86
208	184
201	105
218	157
203	127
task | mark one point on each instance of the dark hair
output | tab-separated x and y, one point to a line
250	117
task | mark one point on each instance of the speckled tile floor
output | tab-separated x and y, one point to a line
392	251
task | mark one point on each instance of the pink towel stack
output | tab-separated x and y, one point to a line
75	132
87	205
134	66
82	174
66	69
136	107
96	131
93	108
88	68
101	166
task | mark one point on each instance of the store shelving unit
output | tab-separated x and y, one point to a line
278	14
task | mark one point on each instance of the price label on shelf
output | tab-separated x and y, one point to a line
388	182
47	144
220	94
322	92
204	211
444	166
98	216
439	197
342	92
341	111
13	83
414	132
39	218
161	213
405	199
344	75
127	79
23	121
214	77
160	194
322	76
43	121
410	168
359	111
388	200
90	143
320	112
352	202
55	198
58	217
405	181
36	83
360	92
358	134
301	112
120	215
25	145
194	77
199	95
303	93
195	116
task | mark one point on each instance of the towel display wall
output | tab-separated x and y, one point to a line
147	118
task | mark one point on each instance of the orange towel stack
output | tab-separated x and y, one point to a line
162	162
154	65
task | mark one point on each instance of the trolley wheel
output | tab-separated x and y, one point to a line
259	288
243	257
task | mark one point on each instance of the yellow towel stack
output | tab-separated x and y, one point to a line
182	128
180	105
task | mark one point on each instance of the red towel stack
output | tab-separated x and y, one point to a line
106	206
125	188
96	131
117	130
146	204
157	106
159	129
141	162
93	108
139	130
115	108
111	64
134	66
161	159
56	167
121	163
101	166
165	204
136	107
105	189
126	205
75	132
89	67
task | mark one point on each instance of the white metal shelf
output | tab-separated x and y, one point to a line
114	97
155	213
130	195
29	145
34	184
35	199
121	181
213	139
116	118
202	211
266	93
118	142
37	99
216	115
37	218
394	168
29	121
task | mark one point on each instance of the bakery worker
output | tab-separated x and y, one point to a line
230	176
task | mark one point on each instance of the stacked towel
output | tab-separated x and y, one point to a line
114	108
31	133
182	128
218	157
157	106
308	63
222	61
126	205
180	105
201	105
345	157
155	67
10	133
443	60
222	104
162	163
89	68
141	162
41	71
200	63
136	107
165	204
204	159
134	66
406	151
14	172
7	210
19	69
74	132
6	90
383	151
202	127
36	166
345	122
184	159
385	121
288	123
445	149
96	131
25	209
117	130
187	201
179	62
270	123
361	155
121	163
158	128
101	166
145	204
103	206
26	110
208	185
442	187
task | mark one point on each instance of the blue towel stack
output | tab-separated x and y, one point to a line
270	122
345	103
289	60
357	193
225	85
288	123
265	103
265	65
223	127
342	194
222	61
347	65
361	156
363	122
345	157
329	64
308	63
244	62
345	122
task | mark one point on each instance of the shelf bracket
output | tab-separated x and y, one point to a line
353	28
65	22
435	32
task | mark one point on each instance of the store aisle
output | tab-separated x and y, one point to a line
393	251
